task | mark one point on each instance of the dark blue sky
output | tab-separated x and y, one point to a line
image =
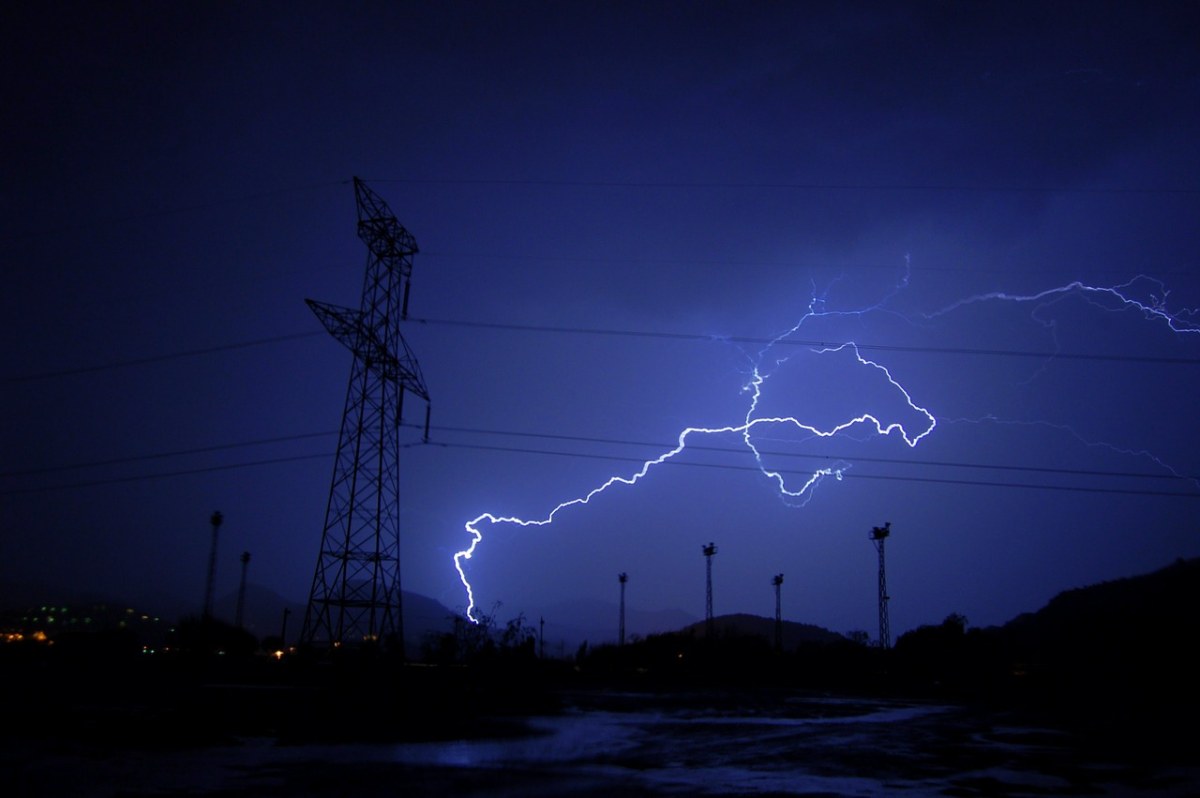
176	178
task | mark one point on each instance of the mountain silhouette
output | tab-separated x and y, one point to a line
1137	622
745	625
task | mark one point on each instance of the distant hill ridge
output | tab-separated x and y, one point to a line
746	625
1145	611
1148	611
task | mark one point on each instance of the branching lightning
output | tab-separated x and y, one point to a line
1141	454
761	367
1112	299
798	495
804	492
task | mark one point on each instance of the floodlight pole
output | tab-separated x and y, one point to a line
879	536
241	601
622	578
777	581
709	551
216	519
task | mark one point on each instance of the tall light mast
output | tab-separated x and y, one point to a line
709	552
879	536
777	581
622	578
216	519
241	600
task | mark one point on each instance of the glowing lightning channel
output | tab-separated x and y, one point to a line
1154	309
804	492
1142	454
477	536
866	418
754	387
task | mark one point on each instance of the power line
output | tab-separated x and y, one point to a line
162	455
689	185
625	458
758	262
845	475
825	457
657	446
108	221
615	332
142	361
166	474
742	339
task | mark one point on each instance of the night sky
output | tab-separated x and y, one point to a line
618	206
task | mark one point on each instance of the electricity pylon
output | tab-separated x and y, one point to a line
879	536
355	596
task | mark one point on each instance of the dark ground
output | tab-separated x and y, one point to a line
148	730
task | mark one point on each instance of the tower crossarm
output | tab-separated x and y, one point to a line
350	327
410	371
380	230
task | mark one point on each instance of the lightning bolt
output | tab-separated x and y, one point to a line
797	496
1153	307
1113	299
804	492
1141	454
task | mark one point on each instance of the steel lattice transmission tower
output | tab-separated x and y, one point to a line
879	536
709	552
355	595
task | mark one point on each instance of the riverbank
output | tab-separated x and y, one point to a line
602	742
373	728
